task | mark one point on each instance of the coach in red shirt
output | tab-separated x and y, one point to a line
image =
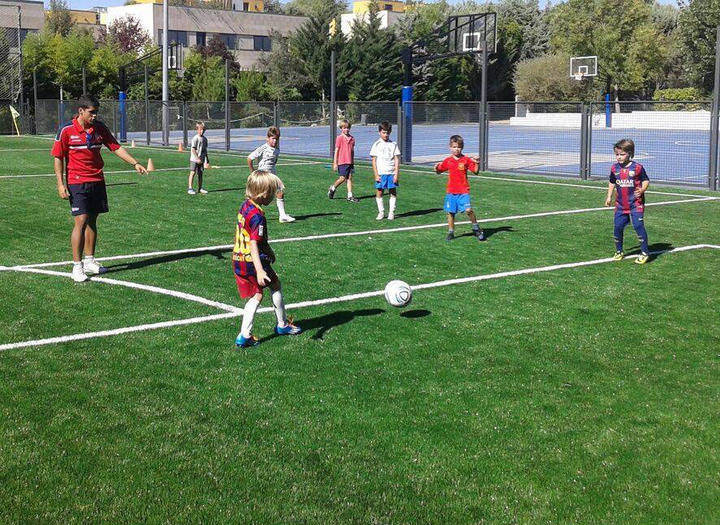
79	171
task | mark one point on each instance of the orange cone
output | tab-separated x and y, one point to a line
180	147
150	166
132	143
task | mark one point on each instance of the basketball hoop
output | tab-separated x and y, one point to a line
578	76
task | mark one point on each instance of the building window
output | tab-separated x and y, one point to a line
388	7
174	37
246	6
200	39
228	40
262	43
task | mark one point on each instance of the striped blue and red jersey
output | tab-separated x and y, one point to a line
251	226
80	148
627	179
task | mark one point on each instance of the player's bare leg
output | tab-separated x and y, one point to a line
77	241
451	227
90	234
479	234
350	195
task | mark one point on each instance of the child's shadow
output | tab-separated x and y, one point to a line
489	232
215	252
326	322
659	249
419	212
310	216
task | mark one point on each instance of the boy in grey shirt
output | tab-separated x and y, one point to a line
198	158
268	154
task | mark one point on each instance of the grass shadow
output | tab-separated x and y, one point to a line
312	215
120	184
217	253
226	189
414	213
326	322
489	232
415	314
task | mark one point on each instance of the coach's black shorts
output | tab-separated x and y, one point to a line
88	198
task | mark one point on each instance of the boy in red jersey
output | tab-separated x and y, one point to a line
457	198
252	257
79	172
631	182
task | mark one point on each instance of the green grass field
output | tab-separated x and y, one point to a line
587	393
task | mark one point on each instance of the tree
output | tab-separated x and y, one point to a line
314	7
631	51
57	18
128	34
545	78
697	30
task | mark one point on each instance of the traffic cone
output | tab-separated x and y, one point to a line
132	143
180	147
150	166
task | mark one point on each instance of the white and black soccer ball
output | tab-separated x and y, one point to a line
398	293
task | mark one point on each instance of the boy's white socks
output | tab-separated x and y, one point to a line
249	317
380	205
393	202
281	207
279	306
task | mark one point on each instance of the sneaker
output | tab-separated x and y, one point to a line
78	274
479	235
642	258
331	193
203	191
93	267
353	199
391	216
246	342
191	191
287	218
619	256
450	236
380	216
288	329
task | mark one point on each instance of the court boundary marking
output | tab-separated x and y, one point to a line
359	233
329	300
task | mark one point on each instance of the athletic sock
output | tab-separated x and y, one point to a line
450	230
279	306
332	188
281	207
380	205
350	195
476	227
89	258
249	317
393	203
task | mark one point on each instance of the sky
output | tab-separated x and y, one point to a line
87	4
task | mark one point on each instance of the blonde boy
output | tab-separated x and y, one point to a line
253	256
344	160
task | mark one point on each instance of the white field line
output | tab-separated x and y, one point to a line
137	286
331	300
156	170
358	233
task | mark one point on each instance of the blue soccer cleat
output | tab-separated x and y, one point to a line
246	342
288	329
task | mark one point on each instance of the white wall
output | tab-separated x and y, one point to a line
636	120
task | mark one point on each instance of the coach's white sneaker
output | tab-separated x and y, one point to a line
93	267
78	274
287	218
203	191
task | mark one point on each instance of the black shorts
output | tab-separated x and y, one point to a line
197	167
346	170
88	198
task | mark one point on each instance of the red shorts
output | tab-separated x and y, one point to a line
248	286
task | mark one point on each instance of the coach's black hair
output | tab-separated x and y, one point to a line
88	101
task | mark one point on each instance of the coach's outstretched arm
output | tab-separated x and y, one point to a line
124	155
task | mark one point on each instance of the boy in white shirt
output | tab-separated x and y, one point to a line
268	154
198	158
386	165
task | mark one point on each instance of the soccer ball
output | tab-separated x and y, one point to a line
398	293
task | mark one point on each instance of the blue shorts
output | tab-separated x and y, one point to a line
386	183
457	202
345	170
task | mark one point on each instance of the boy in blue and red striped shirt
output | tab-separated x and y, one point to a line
629	180
252	257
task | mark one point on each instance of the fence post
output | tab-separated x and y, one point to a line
714	118
333	105
482	115
401	132
583	140
227	105
276	114
147	108
184	124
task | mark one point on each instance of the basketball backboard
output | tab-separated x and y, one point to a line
583	67
470	33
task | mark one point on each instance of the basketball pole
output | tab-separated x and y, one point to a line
482	117
714	118
165	87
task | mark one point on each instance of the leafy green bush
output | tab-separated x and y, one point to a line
678	95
